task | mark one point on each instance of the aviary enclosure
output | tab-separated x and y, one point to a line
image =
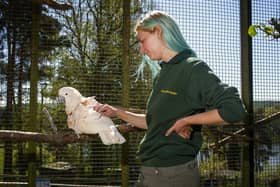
90	45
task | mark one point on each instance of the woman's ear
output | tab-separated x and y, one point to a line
158	31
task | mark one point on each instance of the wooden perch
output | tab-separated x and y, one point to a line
70	137
241	133
53	4
55	139
22	136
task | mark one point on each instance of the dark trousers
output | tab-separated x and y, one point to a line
185	175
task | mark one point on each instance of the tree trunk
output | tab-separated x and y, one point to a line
21	166
31	150
125	86
11	38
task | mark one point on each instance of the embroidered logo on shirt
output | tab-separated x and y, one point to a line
168	92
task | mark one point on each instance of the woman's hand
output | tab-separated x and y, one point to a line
139	120
105	109
181	128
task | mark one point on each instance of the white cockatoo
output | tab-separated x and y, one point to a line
83	119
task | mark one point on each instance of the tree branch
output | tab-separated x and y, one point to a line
58	139
241	133
55	5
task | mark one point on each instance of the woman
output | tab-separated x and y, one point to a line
186	95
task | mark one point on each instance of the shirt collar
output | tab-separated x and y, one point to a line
178	58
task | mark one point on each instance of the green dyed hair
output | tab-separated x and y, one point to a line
172	35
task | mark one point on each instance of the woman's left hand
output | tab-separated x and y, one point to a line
181	128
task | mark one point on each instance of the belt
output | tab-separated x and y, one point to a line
167	171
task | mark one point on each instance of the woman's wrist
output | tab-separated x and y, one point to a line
118	112
184	121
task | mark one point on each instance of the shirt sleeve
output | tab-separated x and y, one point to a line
211	93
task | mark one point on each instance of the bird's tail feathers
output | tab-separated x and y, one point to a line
111	137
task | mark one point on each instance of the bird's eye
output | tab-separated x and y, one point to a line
66	93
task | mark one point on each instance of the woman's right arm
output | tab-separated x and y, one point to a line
138	120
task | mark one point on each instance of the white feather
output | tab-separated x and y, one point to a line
84	120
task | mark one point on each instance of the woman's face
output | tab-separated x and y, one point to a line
151	44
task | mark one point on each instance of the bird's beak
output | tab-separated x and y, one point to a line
60	99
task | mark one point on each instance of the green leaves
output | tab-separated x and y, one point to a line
268	30
252	31
271	29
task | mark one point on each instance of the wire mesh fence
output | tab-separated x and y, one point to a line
49	44
266	94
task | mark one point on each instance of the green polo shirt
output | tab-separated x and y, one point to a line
184	86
